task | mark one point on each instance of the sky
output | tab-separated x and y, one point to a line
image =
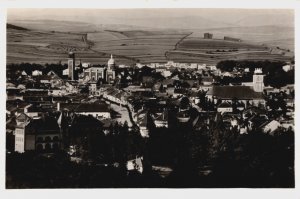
160	17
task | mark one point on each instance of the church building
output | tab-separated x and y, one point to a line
95	73
251	94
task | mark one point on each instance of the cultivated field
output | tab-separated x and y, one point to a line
194	48
204	45
51	47
143	46
130	46
194	57
284	36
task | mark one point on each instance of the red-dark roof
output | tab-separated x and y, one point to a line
85	107
94	107
82	121
32	109
207	79
45	125
230	92
225	105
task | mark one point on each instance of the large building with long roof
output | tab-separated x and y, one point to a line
247	94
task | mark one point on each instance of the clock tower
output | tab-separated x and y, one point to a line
258	80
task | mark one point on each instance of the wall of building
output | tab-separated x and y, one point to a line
71	68
32	114
47	141
20	140
223	110
96	114
161	123
208	36
29	142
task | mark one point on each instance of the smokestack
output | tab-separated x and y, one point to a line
58	106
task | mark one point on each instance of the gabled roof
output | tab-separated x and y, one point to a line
271	126
95	107
192	82
143	122
258	121
11	124
230	92
194	94
147	79
51	72
168	81
106	123
35	109
162	116
46	124
11	107
85	107
157	86
23	117
225	105
254	110
207	79
10	85
86	121
142	111
184	114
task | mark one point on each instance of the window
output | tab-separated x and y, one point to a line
48	139
55	146
39	147
55	139
48	147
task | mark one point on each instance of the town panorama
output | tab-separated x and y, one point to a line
156	98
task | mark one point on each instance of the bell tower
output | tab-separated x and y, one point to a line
258	80
110	72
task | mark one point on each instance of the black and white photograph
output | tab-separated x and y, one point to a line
149	98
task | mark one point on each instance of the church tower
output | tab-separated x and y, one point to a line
20	135
110	73
71	65
258	80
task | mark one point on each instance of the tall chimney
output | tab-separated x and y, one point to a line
58	106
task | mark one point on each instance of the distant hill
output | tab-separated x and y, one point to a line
10	26
282	36
175	22
70	26
60	26
74	26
